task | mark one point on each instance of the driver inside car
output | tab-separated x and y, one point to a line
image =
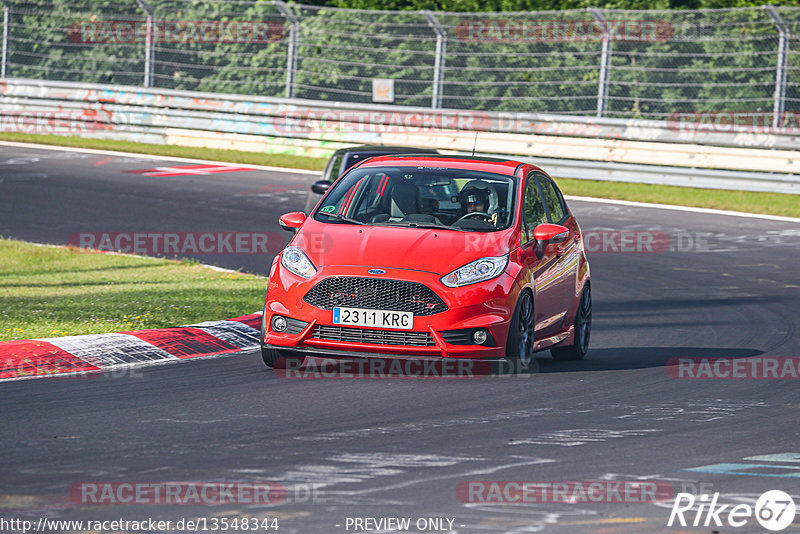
476	200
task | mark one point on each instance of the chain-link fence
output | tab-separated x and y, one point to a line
612	63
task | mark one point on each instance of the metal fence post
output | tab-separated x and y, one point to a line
6	34
438	64
605	64
781	67
148	43
291	53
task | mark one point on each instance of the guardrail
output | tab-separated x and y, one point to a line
675	153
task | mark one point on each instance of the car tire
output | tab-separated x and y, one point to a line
582	329
281	359
519	348
276	358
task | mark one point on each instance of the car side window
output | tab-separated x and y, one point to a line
553	201
332	173
533	212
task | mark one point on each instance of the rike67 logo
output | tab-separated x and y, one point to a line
774	510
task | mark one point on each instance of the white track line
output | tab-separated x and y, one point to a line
305	171
154	157
686	208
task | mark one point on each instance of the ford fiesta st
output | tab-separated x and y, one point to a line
432	257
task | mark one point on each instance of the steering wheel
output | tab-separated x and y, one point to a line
479	213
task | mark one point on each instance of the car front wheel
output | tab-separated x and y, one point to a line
519	349
281	359
275	357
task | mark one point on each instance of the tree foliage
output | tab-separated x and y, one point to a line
722	60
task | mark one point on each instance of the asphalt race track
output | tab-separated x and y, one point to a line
719	287
48	196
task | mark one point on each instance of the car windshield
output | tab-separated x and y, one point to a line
429	197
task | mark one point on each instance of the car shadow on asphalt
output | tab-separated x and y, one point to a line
628	358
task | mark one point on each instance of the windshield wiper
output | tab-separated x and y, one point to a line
341	217
432	226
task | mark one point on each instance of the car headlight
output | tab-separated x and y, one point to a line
477	271
298	263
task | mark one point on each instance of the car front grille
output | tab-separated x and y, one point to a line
401	338
375	294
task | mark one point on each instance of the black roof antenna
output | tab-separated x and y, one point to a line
475	143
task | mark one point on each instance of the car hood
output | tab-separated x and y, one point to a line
420	249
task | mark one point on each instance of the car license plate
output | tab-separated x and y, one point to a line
398	320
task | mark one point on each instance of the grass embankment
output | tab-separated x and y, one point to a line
720	199
51	292
768	203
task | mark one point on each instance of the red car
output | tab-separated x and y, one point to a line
432	256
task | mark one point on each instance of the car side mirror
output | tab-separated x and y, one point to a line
292	221
547	233
320	187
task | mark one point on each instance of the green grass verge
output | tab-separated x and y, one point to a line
721	199
231	156
51	292
768	203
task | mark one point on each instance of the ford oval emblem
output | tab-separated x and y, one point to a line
376	271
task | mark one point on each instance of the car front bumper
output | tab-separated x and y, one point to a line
488	305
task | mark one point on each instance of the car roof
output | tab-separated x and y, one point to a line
478	163
387	149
